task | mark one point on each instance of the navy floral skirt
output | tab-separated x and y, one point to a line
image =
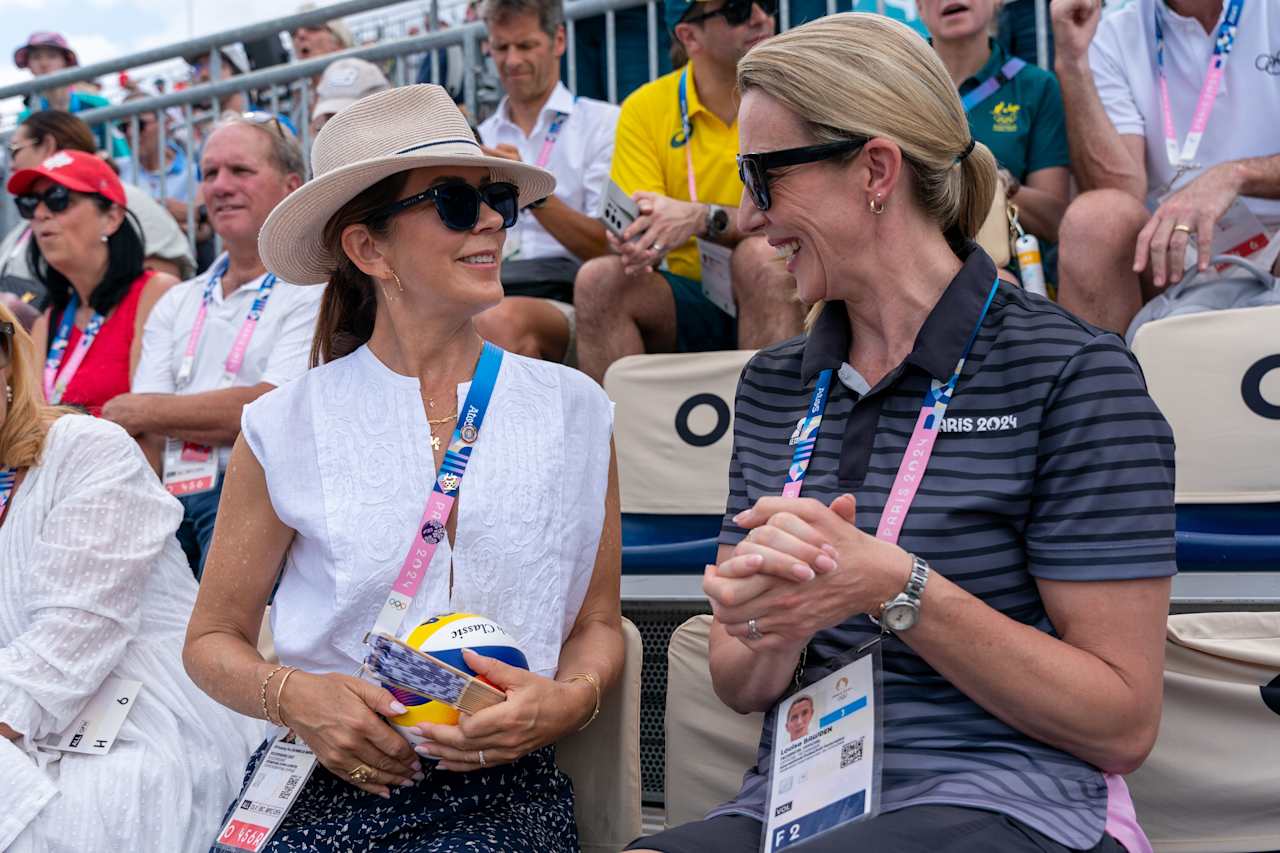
524	806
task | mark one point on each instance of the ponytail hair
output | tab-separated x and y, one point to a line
863	75
350	305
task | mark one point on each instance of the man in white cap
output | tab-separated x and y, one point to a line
342	84
541	122
219	341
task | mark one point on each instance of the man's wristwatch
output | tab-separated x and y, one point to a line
717	221
901	612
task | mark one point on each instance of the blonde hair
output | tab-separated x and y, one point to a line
27	422
863	75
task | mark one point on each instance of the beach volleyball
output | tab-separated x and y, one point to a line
444	637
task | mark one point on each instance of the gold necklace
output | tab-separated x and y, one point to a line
432	423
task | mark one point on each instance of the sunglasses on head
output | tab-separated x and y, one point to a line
753	169
458	204
737	12
57	198
6	344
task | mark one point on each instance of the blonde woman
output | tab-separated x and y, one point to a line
1021	588
93	590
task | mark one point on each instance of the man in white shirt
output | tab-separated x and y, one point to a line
1152	192
202	359
539	121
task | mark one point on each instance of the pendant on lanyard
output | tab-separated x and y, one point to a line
55	380
1183	160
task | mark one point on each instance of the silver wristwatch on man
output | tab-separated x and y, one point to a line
901	612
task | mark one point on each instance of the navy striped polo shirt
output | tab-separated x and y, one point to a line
1052	462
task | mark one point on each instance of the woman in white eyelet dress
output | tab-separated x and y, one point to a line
93	584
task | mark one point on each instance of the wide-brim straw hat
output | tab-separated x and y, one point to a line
410	127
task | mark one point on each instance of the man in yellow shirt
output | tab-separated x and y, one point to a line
675	154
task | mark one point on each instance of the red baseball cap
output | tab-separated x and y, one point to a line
54	40
77	171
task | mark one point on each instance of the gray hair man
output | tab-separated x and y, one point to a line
219	341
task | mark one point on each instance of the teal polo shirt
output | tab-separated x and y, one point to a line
1022	122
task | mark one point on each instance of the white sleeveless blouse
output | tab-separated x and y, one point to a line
347	456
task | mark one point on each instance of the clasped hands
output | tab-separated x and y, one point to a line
664	224
803	567
341	718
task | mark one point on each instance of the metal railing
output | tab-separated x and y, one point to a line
289	83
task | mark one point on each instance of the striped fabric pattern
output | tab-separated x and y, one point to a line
1053	462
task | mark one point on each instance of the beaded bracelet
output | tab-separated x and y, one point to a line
594	681
280	692
262	694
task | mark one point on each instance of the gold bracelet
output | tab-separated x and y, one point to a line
594	681
262	693
280	692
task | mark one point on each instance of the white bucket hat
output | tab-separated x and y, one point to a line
410	127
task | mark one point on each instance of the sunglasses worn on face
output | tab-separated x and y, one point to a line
737	12
458	204
57	198
6	344
753	169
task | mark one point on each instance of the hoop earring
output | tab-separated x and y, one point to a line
399	286
876	205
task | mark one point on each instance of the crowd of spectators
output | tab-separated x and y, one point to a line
1129	167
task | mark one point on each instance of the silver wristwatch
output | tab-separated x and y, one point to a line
901	612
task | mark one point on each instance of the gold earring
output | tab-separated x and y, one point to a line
399	286
877	206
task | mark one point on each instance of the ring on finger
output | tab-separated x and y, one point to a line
361	774
1185	229
656	247
753	631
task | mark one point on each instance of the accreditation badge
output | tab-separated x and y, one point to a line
188	469
277	781
825	768
717	282
95	728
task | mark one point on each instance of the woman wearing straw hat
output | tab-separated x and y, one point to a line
404	225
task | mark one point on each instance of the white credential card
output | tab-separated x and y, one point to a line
95	728
189	468
277	781
717	282
824	771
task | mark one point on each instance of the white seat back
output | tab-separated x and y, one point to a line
1216	377
673	430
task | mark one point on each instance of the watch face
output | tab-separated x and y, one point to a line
900	616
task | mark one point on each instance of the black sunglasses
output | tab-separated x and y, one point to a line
6	344
458	204
753	169
737	12
57	198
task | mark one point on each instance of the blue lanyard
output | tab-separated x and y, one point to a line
241	344
7	478
431	530
992	84
55	384
686	126
937	398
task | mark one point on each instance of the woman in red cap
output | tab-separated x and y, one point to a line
88	254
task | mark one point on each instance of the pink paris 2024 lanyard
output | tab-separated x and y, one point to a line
235	359
919	447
